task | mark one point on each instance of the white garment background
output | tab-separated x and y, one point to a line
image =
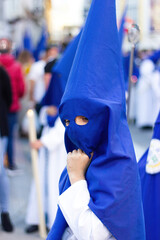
53	140
83	223
37	75
148	94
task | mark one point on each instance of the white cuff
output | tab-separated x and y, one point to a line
83	222
75	191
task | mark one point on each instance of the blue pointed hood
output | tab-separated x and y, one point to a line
150	192
42	43
95	89
27	41
96	76
98	58
60	74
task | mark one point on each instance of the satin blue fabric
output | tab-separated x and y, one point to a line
150	193
95	89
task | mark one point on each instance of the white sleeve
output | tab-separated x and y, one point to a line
83	222
33	73
54	137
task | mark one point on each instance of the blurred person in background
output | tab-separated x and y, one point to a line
36	81
39	78
37	87
26	60
52	155
52	55
51	160
15	73
65	42
148	95
5	103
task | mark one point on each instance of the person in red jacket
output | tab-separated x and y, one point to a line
15	73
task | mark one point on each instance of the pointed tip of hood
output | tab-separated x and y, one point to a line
97	67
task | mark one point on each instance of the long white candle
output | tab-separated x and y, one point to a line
34	157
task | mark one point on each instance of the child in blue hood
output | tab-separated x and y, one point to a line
100	195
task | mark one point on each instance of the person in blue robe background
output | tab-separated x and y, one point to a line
155	56
150	181
95	94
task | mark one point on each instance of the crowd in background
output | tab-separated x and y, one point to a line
23	84
145	86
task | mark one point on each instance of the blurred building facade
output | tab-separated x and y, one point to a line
65	17
146	14
18	16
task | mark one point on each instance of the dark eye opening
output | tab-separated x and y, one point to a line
67	122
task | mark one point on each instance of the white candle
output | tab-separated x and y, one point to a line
31	125
34	157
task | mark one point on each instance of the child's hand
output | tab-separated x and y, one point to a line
52	110
77	164
37	144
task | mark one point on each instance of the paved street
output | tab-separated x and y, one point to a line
20	183
19	190
141	139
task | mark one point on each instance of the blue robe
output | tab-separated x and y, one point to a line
151	193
